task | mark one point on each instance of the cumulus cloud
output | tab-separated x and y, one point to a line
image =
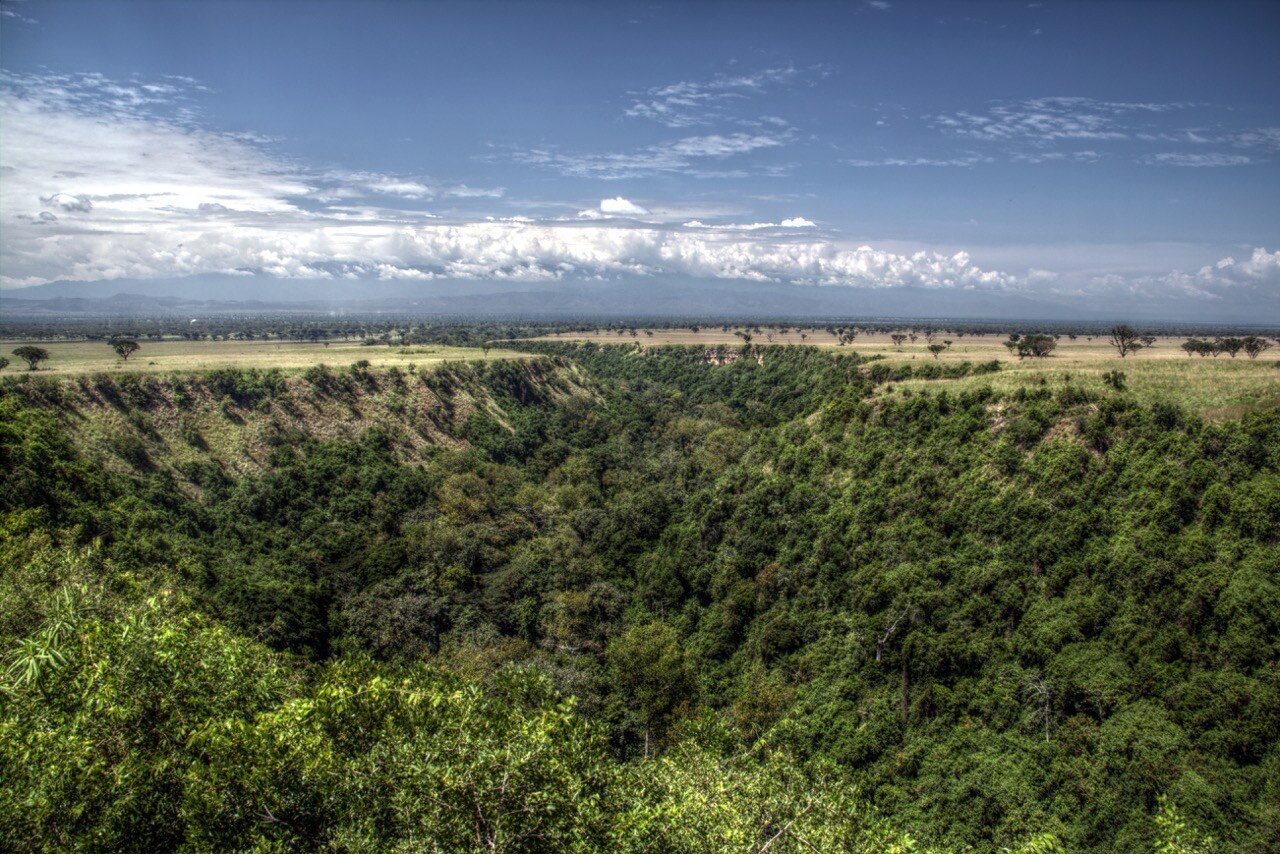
1256	278
106	180
154	195
794	222
619	205
1260	273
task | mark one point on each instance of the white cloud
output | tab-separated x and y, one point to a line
462	191
621	206
680	156
155	195
105	180
794	222
965	160
68	202
690	103
1036	129
1086	156
1195	160
1049	119
15	15
406	189
1258	276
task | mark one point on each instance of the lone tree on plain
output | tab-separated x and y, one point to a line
1126	340
936	349
125	347
32	355
898	338
1037	345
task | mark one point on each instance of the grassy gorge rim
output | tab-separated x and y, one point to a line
1221	375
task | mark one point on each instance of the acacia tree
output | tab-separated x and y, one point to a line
1126	339
125	347
1038	345
4	363
1255	346
898	338
936	349
1230	345
32	355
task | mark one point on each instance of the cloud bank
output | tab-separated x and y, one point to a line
105	179
101	185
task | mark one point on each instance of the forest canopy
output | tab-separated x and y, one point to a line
629	598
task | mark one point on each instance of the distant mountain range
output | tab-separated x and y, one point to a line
668	297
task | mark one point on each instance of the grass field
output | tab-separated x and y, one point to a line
1216	388
167	356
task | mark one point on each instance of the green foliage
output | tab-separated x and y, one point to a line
795	615
124	347
32	355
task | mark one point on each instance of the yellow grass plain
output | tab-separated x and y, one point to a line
81	357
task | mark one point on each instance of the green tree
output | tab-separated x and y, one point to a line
1126	339
1230	345
32	355
125	347
649	668
1255	346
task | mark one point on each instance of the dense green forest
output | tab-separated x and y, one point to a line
623	599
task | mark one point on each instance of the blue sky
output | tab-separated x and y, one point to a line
1078	149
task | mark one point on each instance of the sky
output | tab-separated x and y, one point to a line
1076	149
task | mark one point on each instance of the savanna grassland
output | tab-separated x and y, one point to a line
1214	386
177	355
631	597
